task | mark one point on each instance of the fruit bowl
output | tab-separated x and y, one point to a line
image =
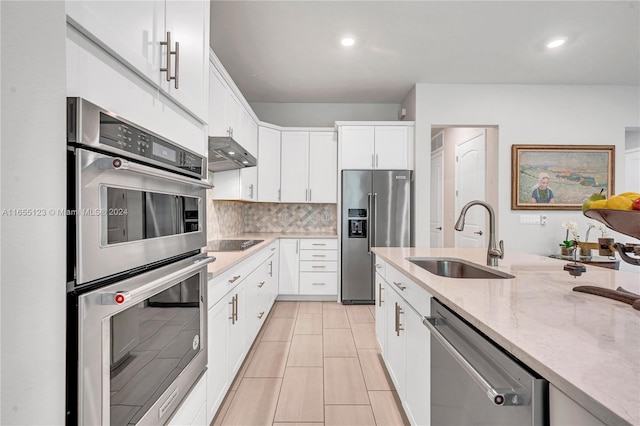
624	221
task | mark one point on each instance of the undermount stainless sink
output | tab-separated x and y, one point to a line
457	268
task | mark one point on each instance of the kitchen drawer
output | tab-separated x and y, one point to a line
381	267
318	254
318	266
318	243
226	281
318	283
415	295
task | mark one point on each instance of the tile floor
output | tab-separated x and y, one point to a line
313	363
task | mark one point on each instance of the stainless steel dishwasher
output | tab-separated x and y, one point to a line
474	382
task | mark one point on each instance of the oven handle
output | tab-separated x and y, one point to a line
127	298
117	163
500	397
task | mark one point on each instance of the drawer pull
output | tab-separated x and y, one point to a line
379	294
318	244
234	279
400	286
261	284
318	283
318	255
260	315
318	266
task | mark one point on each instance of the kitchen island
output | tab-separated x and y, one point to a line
586	346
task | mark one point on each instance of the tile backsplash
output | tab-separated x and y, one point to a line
229	218
280	217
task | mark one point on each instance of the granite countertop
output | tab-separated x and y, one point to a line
227	259
585	345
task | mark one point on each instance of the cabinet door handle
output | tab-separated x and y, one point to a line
297	242
278	194
170	52
234	279
236	310
271	266
233	310
260	315
251	191
399	327
379	294
306	194
400	286
309	194
261	284
376	161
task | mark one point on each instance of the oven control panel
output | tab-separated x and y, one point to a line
128	138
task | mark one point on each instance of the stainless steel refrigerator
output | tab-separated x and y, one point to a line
376	212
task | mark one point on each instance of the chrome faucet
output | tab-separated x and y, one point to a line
493	252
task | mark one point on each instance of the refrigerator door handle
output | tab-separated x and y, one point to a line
369	196
372	229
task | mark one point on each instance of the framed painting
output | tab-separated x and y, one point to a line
559	177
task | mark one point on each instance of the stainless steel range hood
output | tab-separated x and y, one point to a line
227	154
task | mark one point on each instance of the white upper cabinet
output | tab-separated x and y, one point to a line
384	147
188	24
294	175
268	164
392	147
238	184
357	147
136	33
323	167
227	113
308	167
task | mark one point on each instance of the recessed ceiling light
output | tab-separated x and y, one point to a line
347	41
556	42
231	153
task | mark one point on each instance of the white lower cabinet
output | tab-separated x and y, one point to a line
308	267
404	340
239	302
289	266
192	411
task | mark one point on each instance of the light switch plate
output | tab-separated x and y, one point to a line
530	219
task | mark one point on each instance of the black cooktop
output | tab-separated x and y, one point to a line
231	245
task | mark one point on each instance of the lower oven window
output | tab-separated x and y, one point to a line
151	343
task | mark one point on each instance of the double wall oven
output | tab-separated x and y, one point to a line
137	277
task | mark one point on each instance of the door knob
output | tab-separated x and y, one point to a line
439	228
478	232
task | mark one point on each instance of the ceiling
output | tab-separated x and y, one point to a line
289	51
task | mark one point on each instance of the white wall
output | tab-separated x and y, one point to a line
524	115
33	175
322	114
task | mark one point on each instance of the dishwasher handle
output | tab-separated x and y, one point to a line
501	397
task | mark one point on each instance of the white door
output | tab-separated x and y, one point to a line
470	185
188	22
631	167
294	167
217	380
249	184
269	164
323	167
133	30
356	147
237	345
289	267
391	147
437	199
217	104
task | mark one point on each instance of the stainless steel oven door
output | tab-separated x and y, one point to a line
142	344
129	215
